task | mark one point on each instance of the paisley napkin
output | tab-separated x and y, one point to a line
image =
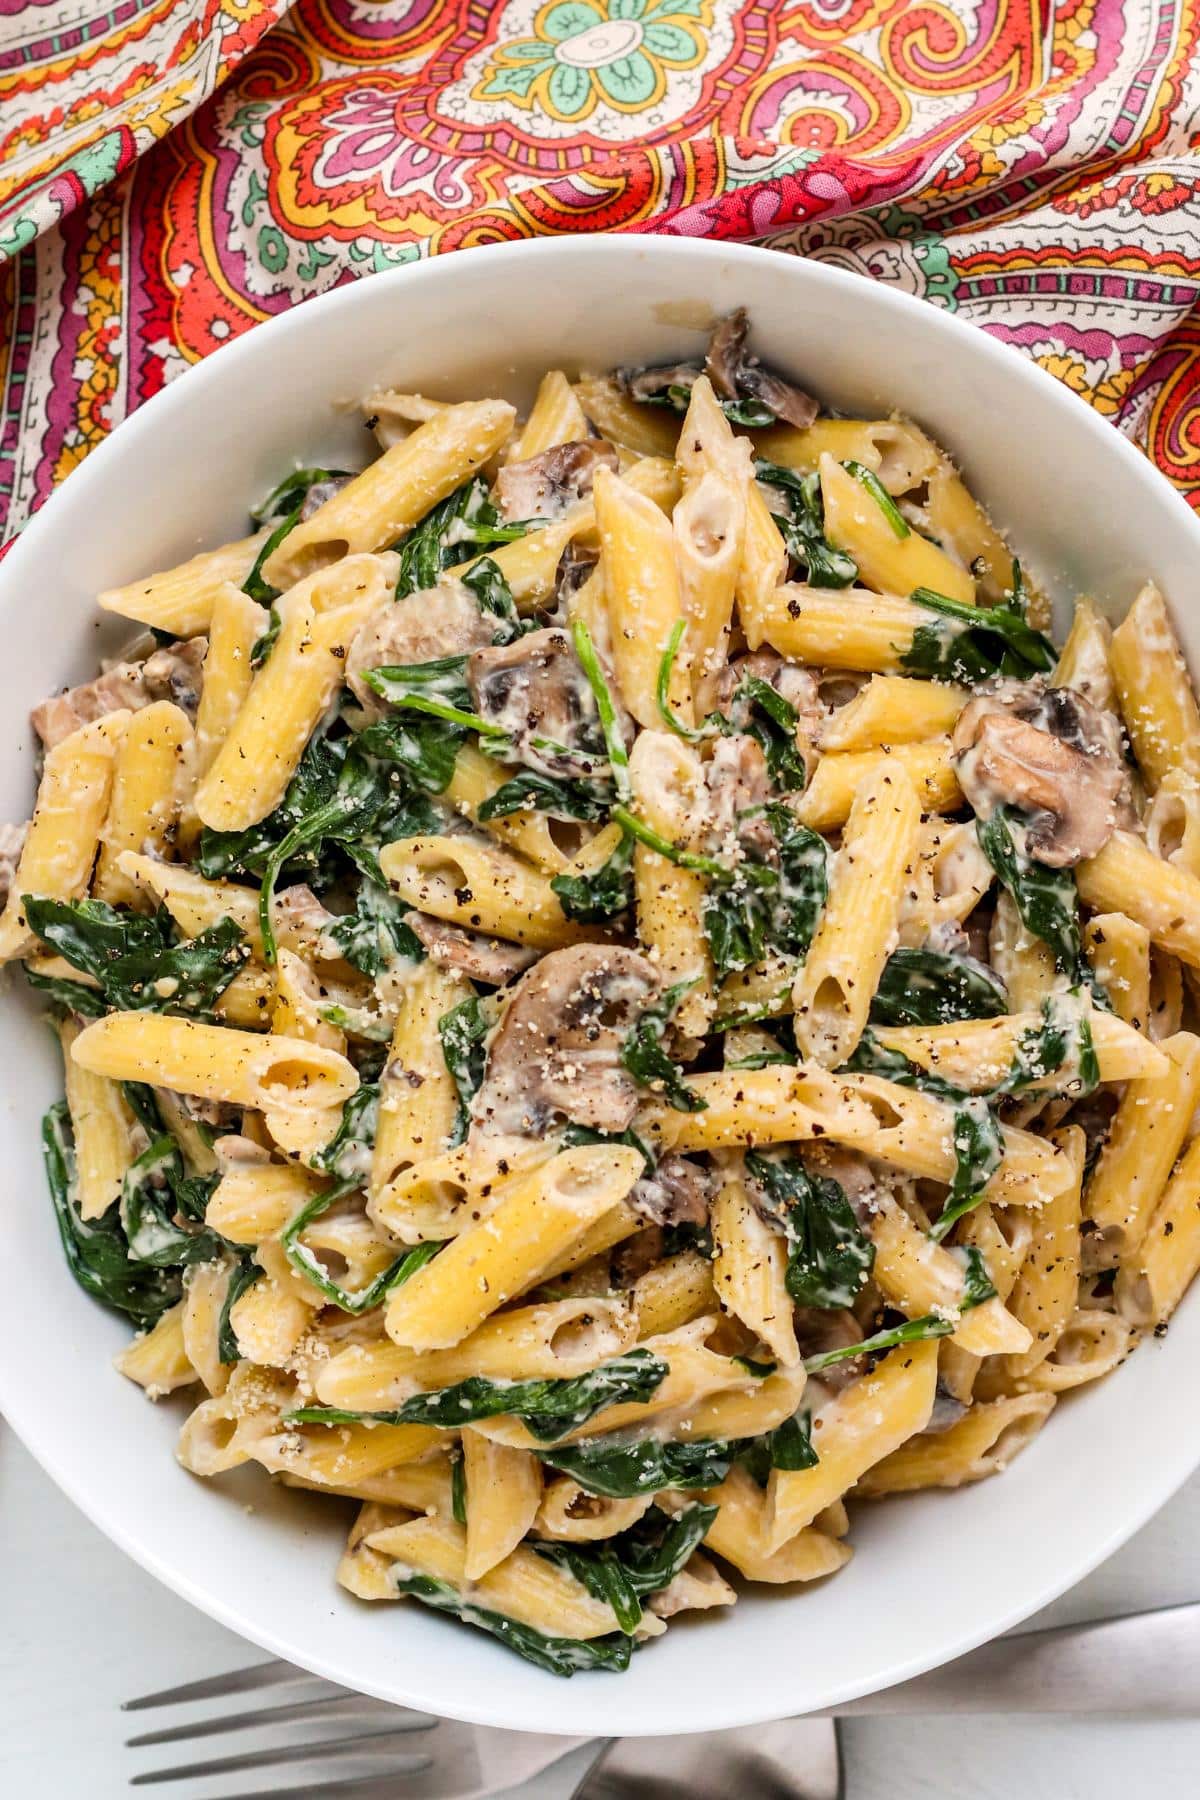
174	171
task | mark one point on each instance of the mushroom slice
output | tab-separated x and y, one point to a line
678	1193
12	842
799	687
469	952
556	1054
546	485
172	673
737	787
736	375
652	384
535	691
445	620
1053	755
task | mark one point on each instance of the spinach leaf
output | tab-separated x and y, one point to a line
364	1300
96	1251
462	1031
242	1276
610	724
830	1257
598	1568
802	526
772	724
912	1331
425	750
375	936
465	517
602	894
788	1447
746	916
362	807
870	482
1045	898
976	1136
558	798
284	505
619	1468
646	1059
132	957
655	1549
930	987
749	412
549	1408
67	996
756	710
485	579
972	643
643	1560
347	1155
558	1655
148	1202
458	1489
978	1285
245	852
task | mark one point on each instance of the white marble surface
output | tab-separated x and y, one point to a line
84	1628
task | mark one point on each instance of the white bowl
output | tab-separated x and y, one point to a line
933	1575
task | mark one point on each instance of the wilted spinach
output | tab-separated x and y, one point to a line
641	1561
602	893
557	1655
466	517
133	958
549	1408
931	987
973	643
462	1031
375	935
619	1468
282	507
830	1257
802	526
96	1249
644	1055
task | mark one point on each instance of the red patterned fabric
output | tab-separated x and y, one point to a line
173	172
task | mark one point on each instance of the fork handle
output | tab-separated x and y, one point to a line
1146	1663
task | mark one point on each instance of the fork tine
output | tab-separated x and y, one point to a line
370	1743
236	1681
281	1715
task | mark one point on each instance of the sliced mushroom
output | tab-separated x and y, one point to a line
637	1255
544	486
436	622
947	1411
819	1331
1050	753
469	952
534	690
173	673
556	1053
736	375
12	842
678	1193
799	687
319	493
300	917
736	788
649	384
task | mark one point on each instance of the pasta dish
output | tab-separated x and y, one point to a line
619	997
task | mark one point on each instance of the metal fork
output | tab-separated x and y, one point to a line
338	1742
1144	1664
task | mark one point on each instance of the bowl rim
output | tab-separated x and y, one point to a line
736	1706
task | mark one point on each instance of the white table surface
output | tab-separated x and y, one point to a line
84	1628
